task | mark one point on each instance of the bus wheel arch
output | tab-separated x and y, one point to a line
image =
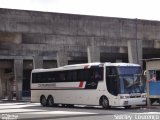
104	102
43	100
50	101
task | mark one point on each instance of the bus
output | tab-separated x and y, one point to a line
98	84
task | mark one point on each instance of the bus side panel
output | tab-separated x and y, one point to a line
83	96
87	97
72	96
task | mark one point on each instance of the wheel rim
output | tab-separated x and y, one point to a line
50	101
43	101
105	103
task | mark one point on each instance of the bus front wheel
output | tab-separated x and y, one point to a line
50	101
43	100
104	102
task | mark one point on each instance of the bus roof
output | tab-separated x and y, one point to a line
121	64
69	67
82	66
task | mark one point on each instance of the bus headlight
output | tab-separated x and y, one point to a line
124	97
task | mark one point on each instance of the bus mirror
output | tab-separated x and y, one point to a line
145	72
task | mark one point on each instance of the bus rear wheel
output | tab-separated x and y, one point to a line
104	102
50	101
43	100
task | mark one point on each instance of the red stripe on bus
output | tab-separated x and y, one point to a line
81	84
86	66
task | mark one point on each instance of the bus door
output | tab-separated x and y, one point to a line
96	74
112	81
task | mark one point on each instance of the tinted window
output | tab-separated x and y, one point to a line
129	70
83	75
112	80
98	74
68	75
71	75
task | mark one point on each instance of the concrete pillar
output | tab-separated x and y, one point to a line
10	89
38	62
1	89
1	84
93	53
135	51
62	58
18	71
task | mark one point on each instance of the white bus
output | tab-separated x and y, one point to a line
104	84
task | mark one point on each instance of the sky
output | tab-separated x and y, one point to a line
140	9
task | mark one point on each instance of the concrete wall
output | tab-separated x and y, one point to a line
65	24
153	65
44	33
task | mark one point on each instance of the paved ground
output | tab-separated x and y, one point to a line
34	111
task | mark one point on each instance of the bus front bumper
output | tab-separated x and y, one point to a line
132	101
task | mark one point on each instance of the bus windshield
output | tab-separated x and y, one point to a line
124	80
131	80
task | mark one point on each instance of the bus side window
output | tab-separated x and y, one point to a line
71	76
96	74
49	74
83	75
39	77
44	77
74	75
86	74
80	75
91	74
34	78
99	74
62	76
54	76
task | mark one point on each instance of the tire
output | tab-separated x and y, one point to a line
43	100
159	100
50	101
152	100
104	102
